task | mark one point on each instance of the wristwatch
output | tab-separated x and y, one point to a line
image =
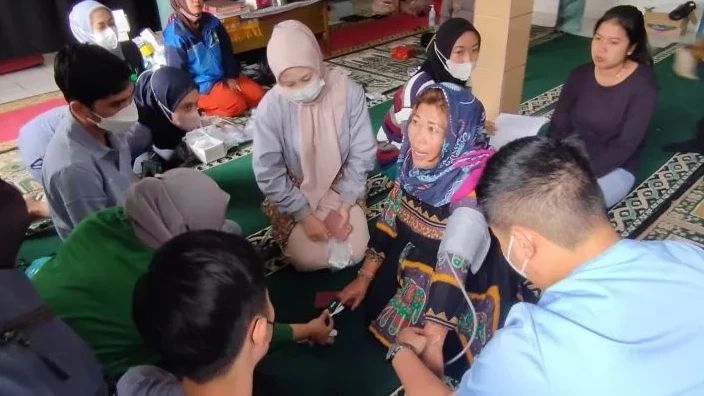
396	347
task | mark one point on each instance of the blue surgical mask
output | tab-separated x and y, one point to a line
508	259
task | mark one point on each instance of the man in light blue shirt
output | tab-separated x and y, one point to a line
617	317
35	136
87	165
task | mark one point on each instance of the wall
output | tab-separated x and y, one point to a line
165	11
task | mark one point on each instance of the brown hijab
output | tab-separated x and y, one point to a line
180	201
192	21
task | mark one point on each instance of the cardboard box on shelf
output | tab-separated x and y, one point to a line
658	24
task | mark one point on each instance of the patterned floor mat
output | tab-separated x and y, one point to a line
12	171
379	63
684	221
652	197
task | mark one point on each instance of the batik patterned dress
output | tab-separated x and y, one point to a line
413	287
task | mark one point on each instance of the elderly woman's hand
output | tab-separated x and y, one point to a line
490	127
353	294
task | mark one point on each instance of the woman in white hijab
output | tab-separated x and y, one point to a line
93	23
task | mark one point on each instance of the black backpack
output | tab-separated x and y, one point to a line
35	371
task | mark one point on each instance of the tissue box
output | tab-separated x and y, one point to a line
659	25
205	147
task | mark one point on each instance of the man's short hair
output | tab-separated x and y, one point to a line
86	73
543	184
195	304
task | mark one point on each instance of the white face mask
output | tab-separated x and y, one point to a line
106	38
121	121
460	71
306	94
508	259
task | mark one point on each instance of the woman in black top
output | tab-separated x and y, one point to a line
92	23
608	103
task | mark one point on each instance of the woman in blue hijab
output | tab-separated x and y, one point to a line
431	252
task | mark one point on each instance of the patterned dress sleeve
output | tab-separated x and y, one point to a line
385	230
462	251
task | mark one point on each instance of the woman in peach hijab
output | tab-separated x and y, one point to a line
313	150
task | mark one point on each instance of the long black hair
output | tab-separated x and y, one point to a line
631	20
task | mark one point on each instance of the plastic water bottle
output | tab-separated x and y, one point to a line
431	17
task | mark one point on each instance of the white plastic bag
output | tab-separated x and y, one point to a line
339	254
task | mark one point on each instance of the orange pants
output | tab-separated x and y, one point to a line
226	102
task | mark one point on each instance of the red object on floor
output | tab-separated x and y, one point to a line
15	64
403	52
358	34
12	121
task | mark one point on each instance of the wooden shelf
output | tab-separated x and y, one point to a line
315	16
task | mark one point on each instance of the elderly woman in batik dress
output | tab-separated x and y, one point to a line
432	249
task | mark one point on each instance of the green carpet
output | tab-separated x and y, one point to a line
680	106
354	365
549	64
